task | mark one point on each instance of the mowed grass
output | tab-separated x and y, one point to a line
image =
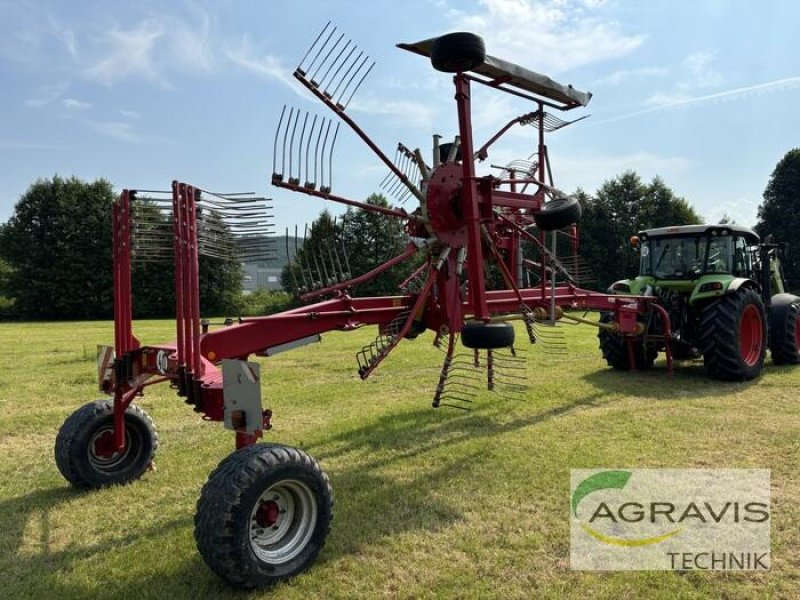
429	503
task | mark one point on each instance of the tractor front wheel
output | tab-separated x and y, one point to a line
733	336
263	515
615	351
85	452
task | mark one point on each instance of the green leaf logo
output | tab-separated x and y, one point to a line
610	480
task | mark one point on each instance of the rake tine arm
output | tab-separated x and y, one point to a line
410	250
360	133
392	212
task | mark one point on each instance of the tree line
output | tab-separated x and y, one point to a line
55	250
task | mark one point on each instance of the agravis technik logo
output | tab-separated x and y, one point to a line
670	519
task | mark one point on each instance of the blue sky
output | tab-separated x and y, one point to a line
704	93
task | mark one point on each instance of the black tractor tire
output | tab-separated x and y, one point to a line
615	350
79	446
784	329
487	336
733	336
457	52
558	213
263	515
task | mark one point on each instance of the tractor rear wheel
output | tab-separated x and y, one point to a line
263	515
457	52
784	339
84	449
487	336
733	336
615	351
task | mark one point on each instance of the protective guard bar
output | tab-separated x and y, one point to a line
503	74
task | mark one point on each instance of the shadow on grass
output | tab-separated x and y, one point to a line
371	505
689	380
33	566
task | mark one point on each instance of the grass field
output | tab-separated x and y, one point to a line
429	503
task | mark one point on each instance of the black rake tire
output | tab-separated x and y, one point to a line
263	515
487	336
733	336
79	446
615	352
784	339
457	52
558	213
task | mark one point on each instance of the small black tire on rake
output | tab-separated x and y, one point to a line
487	336
457	52
558	213
263	515
83	451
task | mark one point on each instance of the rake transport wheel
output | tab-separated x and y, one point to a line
263	515
84	448
558	213
615	351
784	329
733	336
487	336
457	52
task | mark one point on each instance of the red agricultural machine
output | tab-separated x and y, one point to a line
265	512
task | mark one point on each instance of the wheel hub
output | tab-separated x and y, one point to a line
268	513
751	336
104	445
283	521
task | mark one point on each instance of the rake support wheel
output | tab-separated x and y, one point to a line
263	515
558	213
784	326
84	446
733	335
487	336
615	351
457	52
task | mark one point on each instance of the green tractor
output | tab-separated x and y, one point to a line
725	294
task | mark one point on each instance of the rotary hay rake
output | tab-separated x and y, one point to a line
265	512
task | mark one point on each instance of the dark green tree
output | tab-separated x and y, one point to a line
779	214
622	207
359	242
57	246
58	243
372	239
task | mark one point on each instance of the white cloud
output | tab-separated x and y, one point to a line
11	145
553	35
684	101
46	94
118	130
697	72
75	104
129	114
589	172
266	66
624	75
152	50
743	211
411	113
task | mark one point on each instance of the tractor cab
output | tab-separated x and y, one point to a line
691	251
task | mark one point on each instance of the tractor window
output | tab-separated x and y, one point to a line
674	257
719	255
742	258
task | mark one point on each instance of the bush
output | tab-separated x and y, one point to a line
263	302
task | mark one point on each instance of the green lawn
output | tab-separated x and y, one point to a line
429	503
